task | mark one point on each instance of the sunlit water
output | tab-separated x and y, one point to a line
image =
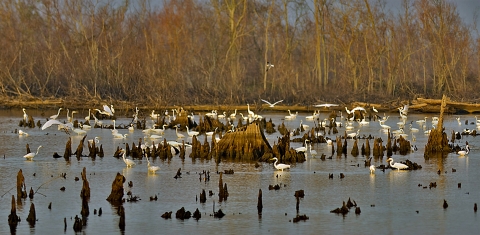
389	200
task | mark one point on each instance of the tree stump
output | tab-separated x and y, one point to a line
116	194
245	144
13	219
21	188
68	149
32	218
437	143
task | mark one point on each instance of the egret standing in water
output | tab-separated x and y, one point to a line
397	165
152	169
372	169
128	162
30	156
280	166
56	115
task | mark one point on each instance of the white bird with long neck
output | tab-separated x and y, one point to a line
396	165
192	133
464	152
234	115
179	135
128	162
303	148
151	168
56	115
250	113
87	118
280	166
25	115
30	156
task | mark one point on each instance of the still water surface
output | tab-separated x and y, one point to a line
389	200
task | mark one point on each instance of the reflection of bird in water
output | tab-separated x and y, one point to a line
397	165
30	156
372	169
280	166
128	162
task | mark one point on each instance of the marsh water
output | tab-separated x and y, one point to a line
391	202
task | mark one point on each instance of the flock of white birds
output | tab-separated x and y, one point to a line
153	133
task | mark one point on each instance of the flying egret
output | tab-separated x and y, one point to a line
271	104
280	166
30	156
68	126
397	165
269	66
151	168
56	115
326	105
128	162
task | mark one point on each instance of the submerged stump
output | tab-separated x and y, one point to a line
116	195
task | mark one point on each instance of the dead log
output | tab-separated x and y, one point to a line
116	194
437	143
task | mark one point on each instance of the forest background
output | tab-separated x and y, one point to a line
194	52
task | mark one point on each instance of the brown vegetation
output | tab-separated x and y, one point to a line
215	52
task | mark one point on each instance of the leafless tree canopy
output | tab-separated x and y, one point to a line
216	51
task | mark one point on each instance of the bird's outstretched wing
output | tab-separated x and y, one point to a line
277	102
50	123
325	105
108	110
266	102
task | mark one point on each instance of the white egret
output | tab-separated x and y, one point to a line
396	165
348	111
119	136
128	162
372	169
269	66
280	166
97	122
153	115
359	109
108	111
222	116
313	152
154	136
179	135
464	152
79	131
56	115
25	115
354	134
374	109
325	105
303	148
30	156
210	133
20	132
413	129
234	115
305	127
329	142
151	168
95	140
250	113
192	133
49	123
271	104
131	128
